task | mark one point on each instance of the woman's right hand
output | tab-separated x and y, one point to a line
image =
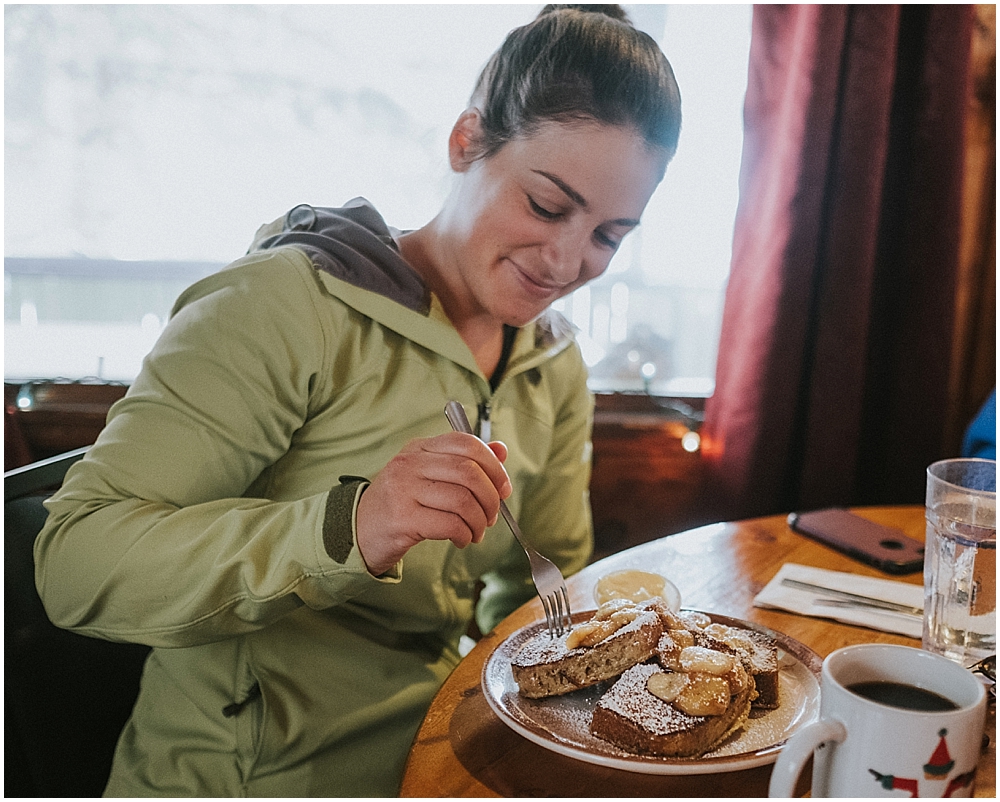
447	487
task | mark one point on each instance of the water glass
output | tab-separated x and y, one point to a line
960	560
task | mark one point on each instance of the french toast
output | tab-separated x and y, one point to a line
633	717
547	666
683	683
757	652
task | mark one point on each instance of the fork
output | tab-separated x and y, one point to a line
549	582
987	667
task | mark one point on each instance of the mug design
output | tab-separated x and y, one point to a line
937	768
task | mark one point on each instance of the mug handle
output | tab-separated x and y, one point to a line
797	751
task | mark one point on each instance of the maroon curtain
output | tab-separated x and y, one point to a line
833	367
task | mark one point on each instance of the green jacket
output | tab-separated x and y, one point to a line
210	520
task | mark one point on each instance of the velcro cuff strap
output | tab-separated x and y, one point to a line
338	521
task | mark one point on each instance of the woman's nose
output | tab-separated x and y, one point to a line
563	255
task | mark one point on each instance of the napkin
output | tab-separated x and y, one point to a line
794	600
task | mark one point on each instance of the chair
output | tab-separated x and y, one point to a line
66	696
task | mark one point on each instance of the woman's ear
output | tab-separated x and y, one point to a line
464	143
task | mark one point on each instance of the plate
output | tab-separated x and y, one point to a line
562	723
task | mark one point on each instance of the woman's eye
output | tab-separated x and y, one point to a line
542	211
606	241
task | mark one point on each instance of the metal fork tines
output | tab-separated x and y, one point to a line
549	582
987	667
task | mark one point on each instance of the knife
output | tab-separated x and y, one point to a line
857	604
868	601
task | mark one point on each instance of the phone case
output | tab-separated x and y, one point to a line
887	548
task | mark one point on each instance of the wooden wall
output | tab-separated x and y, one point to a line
47	418
644	483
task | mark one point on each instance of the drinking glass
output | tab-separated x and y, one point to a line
960	560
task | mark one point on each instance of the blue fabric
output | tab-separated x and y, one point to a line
981	436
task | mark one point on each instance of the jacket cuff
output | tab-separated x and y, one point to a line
339	518
340	522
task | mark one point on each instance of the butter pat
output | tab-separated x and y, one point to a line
636	586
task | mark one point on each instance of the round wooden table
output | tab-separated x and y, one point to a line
464	750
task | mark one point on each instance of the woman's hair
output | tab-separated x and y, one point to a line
578	63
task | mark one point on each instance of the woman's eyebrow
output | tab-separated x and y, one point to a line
571	193
579	200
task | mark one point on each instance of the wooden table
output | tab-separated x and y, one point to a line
464	750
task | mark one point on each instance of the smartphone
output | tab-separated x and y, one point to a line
885	547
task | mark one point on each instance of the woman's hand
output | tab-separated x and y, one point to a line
439	488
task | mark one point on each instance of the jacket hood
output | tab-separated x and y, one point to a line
352	243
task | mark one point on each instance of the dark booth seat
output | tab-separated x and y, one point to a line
66	696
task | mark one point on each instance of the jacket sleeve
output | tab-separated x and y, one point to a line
556	506
151	538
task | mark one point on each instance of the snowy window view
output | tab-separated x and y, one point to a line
145	144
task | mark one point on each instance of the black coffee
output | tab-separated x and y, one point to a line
897	694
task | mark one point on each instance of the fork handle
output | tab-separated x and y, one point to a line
508	516
459	421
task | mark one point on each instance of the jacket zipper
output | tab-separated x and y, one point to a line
484	426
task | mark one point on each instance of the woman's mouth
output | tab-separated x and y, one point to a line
533	286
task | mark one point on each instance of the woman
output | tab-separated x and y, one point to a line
277	506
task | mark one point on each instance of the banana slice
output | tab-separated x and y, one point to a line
707	661
667	686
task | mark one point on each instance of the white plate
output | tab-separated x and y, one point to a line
562	723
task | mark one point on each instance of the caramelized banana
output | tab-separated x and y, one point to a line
694	620
704	695
730	636
700	659
682	638
612	606
738	678
667	686
590	633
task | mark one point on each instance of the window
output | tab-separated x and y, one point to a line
144	145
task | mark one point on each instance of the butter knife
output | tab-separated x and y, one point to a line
857	604
867	601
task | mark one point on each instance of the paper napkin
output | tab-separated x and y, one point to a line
794	600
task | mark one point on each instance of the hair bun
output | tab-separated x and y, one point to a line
572	63
611	10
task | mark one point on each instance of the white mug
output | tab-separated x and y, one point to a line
867	748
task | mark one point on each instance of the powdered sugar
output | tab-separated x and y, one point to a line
630	698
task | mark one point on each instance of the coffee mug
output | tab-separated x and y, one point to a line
892	718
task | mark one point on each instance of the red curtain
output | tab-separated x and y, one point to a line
833	367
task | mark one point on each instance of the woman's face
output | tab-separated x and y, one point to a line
544	215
